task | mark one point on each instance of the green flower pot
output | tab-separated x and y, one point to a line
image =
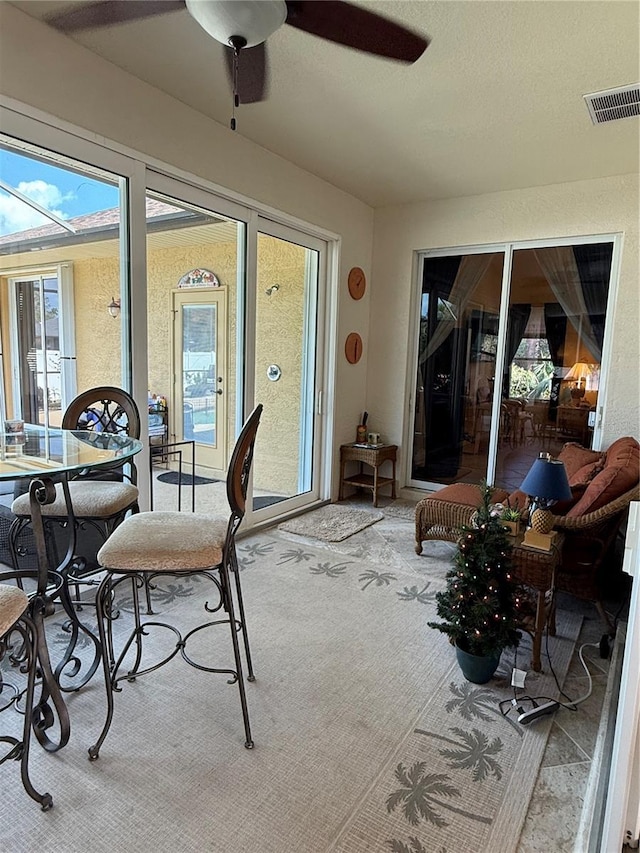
476	668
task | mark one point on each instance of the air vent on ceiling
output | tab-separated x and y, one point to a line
614	104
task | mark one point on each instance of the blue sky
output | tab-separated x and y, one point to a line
65	193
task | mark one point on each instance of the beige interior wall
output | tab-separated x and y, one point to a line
78	87
586	208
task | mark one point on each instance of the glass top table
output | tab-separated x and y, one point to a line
46	451
42	455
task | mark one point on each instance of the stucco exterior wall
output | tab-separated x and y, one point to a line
582	208
97	333
279	323
279	320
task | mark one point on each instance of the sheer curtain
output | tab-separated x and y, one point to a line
472	269
559	266
519	313
593	261
555	321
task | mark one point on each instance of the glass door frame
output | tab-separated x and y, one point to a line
255	222
64	276
315	370
508	249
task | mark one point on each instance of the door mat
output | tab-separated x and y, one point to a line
331	523
173	478
260	501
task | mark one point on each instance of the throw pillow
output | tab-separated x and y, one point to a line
575	457
624	453
606	486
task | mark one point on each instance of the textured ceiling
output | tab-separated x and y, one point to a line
494	104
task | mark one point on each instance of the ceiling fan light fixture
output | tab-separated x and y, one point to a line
252	20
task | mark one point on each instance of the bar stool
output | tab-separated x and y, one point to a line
155	544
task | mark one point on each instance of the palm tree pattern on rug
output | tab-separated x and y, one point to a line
446	778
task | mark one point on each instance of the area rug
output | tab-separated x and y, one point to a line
358	711
462	778
331	523
173	478
406	510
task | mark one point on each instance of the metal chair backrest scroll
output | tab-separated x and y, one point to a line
104	409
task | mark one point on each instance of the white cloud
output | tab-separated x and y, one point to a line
16	215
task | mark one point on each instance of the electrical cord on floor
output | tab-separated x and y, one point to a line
542	705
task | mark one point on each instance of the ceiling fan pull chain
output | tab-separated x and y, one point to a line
237	43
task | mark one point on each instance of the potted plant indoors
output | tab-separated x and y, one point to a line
479	607
511	518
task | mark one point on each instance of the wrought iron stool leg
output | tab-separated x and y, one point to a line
104	619
226	592
236	572
27	655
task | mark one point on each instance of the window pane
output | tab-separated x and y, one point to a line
60	221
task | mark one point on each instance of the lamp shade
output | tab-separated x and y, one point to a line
547	482
580	370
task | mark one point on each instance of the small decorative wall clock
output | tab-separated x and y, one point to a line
353	348
357	283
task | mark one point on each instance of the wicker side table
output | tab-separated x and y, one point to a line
374	457
536	569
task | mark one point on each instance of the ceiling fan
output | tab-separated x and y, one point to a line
244	25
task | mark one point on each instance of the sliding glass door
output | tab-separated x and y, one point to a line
550	380
508	359
233	320
287	367
456	366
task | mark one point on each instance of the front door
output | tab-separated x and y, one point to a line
199	371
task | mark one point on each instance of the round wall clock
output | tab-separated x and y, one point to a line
357	283
353	348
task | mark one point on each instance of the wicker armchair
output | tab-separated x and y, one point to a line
588	542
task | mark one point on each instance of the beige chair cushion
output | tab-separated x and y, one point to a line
89	499
164	541
13	603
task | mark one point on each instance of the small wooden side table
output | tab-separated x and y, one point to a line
374	456
536	569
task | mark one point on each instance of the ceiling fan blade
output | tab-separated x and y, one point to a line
355	27
109	12
252	72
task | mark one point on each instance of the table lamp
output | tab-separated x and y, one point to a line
579	374
546	483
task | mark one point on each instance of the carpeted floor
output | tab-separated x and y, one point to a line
357	705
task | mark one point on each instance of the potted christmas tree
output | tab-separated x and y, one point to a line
479	607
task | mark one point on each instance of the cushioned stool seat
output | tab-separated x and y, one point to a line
89	499
442	514
165	541
13	603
